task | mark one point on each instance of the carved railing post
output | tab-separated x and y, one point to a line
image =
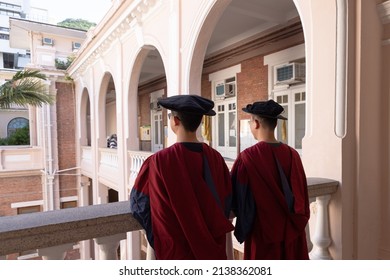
108	246
321	239
55	252
134	245
150	255
229	246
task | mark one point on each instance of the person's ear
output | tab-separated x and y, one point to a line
176	120
257	123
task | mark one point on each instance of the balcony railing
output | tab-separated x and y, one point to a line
55	232
108	167
17	158
86	160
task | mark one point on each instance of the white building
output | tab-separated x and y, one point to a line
231	51
143	50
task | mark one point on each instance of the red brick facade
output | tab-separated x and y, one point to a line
66	123
18	189
252	83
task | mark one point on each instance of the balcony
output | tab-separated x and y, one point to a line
55	232
20	158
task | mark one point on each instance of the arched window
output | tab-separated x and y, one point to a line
15	124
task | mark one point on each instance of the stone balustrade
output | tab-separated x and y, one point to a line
55	232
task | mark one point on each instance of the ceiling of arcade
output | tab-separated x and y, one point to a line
243	21
244	28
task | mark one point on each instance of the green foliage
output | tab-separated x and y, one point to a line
77	23
63	65
25	88
21	136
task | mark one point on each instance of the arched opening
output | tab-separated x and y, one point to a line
85	119
147	85
107	113
239	58
244	52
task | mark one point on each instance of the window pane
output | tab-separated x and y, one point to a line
297	97
232	129
161	134
282	128
299	124
221	130
156	129
29	209
68	204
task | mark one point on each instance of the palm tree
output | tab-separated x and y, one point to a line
25	88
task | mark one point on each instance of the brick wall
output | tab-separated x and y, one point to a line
206	86
252	84
144	109
66	118
18	189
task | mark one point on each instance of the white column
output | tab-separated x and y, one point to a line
108	246
321	239
55	252
85	245
134	245
310	227
102	194
150	255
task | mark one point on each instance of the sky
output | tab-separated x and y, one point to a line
91	10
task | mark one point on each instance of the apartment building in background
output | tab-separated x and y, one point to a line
14	59
42	176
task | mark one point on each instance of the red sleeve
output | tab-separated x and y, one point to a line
243	204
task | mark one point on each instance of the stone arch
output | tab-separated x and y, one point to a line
199	46
85	118
107	95
136	70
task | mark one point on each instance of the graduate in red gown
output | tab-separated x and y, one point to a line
270	198
182	195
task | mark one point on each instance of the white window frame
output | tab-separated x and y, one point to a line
282	57
47	43
154	97
217	78
290	92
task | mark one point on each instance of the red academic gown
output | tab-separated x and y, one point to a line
269	229
182	197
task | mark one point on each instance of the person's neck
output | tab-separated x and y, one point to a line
187	137
267	137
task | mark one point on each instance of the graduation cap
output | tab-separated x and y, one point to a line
266	109
192	104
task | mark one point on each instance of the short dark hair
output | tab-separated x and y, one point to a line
268	122
190	122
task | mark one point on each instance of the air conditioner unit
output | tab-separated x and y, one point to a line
47	41
290	73
224	90
155	106
76	45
